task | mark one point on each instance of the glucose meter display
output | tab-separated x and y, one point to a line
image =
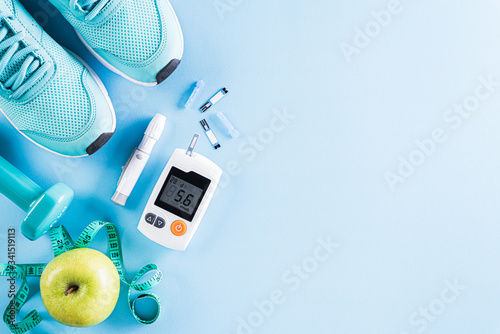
182	193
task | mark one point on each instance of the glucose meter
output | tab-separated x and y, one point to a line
180	198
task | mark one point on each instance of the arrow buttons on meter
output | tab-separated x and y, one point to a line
160	222
150	218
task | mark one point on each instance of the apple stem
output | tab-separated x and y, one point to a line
71	289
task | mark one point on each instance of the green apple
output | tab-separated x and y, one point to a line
80	287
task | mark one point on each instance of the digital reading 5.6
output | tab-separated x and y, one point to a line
181	194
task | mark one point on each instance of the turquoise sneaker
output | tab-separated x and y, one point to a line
141	40
47	94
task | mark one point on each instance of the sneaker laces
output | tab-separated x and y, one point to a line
91	7
31	69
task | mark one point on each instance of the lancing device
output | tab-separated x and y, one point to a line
137	161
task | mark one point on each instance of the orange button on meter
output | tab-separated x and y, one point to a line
178	228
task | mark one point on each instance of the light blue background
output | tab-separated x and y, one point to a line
322	176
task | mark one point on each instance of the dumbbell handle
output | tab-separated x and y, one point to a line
18	187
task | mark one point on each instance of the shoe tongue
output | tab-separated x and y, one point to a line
87	5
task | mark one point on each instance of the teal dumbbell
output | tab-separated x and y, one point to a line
43	208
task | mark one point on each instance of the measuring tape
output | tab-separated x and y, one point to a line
33	318
62	242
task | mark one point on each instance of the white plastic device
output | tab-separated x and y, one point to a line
138	160
180	198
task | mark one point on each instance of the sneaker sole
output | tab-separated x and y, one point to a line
160	76
101	140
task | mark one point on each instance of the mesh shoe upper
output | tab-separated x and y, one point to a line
136	39
123	35
64	111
